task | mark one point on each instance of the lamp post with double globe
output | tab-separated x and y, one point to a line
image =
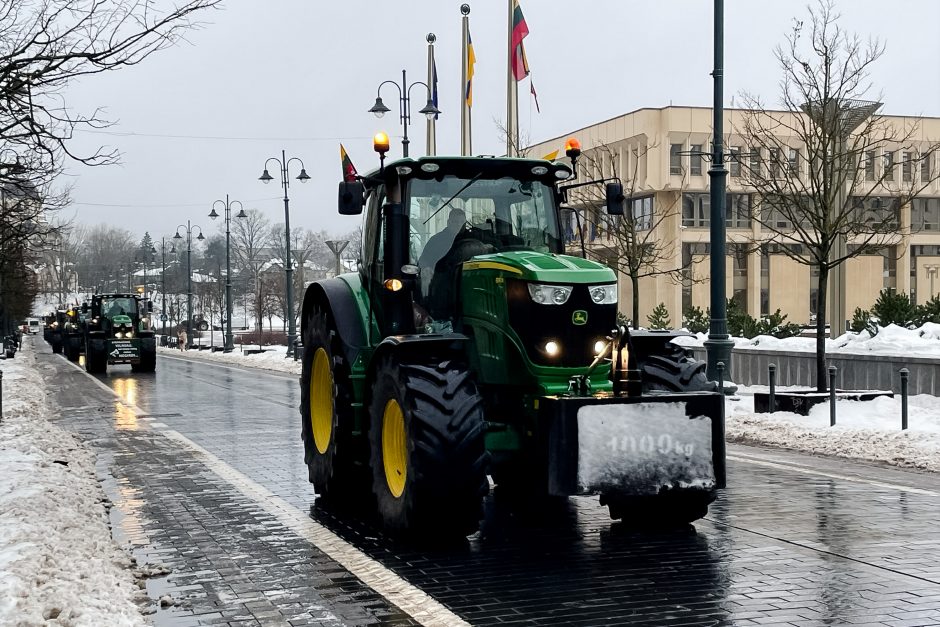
189	273
404	106
227	204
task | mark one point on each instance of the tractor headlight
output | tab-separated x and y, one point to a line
552	348
549	294
604	294
118	335
129	334
599	347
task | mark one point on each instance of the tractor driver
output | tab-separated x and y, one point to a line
439	245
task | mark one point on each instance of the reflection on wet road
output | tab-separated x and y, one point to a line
781	546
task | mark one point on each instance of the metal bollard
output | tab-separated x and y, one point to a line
297	352
832	396
905	373
721	376
773	385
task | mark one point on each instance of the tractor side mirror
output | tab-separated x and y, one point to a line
614	197
351	198
84	307
149	306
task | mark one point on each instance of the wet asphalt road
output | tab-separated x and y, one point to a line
795	540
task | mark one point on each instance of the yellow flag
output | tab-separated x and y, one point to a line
551	156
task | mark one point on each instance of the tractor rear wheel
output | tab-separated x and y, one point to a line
668	509
325	408
428	452
71	351
675	372
56	346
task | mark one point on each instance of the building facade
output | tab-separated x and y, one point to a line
658	154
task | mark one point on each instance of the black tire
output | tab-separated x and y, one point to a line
668	509
202	326
96	362
10	354
71	351
675	371
148	362
56	347
332	471
444	479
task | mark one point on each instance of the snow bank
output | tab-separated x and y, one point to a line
890	340
57	559
273	358
864	430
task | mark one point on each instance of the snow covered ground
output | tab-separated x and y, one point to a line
890	340
273	358
58	562
864	430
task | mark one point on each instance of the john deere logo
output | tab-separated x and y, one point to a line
579	317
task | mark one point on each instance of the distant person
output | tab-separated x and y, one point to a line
182	339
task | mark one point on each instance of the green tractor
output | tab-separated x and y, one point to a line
56	322
117	331
469	345
73	333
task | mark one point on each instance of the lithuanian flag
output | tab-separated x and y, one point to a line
517	60
349	170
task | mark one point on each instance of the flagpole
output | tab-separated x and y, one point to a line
465	139
512	96
431	147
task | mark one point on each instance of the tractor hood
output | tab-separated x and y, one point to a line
544	267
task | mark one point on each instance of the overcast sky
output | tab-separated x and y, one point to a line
299	75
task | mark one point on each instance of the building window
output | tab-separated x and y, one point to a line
755	161
925	214
907	167
925	169
734	161
774	163
675	158
877	210
695	166
870	165
696	210
793	162
889	165
642	211
739	274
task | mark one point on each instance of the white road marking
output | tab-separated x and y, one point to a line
410	599
747	459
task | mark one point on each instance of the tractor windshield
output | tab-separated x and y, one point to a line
118	306
502	214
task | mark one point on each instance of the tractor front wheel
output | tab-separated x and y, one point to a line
428	451
95	361
148	362
325	408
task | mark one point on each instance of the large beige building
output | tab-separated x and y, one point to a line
656	148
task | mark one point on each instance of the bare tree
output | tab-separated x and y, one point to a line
250	242
815	165
633	244
46	44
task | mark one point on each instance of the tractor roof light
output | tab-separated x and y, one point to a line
380	143
573	148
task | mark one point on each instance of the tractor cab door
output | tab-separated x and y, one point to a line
371	266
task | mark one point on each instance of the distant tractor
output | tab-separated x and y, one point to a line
118	331
469	344
57	330
73	333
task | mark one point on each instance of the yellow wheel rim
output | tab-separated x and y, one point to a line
394	448
321	400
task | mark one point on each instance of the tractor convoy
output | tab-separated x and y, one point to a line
468	345
111	329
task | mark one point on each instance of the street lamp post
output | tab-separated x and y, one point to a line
718	345
189	273
404	106
227	204
284	164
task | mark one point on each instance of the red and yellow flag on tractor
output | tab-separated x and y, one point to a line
517	60
349	170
